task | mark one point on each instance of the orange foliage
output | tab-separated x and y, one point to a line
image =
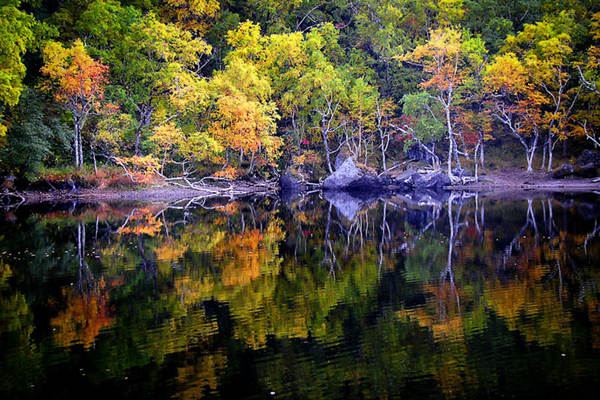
83	319
228	173
142	222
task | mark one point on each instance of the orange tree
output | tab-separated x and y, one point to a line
79	83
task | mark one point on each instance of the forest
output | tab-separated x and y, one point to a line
181	90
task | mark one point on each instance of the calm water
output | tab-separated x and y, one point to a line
310	299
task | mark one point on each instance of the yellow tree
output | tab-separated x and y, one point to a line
588	118
191	15
79	83
515	102
545	51
244	118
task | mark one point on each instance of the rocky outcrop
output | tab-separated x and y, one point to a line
589	170
423	180
290	183
589	157
350	177
563	171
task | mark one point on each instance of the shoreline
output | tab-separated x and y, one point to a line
493	183
159	193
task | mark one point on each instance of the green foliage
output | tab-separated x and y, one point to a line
33	138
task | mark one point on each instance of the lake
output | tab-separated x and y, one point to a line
318	297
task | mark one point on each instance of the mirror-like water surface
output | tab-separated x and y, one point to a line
321	297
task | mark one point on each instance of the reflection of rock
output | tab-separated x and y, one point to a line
349	203
424	197
346	204
589	210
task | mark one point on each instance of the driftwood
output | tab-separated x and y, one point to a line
11	199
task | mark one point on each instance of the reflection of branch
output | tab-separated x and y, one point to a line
86	279
529	221
591	235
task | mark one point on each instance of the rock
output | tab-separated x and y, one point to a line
407	177
430	180
344	176
434	180
340	158
586	171
587	157
563	171
460	172
290	183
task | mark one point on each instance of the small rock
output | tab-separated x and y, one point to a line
563	171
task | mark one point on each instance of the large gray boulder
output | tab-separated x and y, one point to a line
344	176
340	158
407	178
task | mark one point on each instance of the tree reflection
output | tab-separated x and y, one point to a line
403	288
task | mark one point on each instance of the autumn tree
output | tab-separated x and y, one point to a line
545	50
515	102
449	59
191	15
244	118
587	118
79	83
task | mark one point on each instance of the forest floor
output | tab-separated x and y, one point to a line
516	180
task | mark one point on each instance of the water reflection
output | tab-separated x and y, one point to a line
326	296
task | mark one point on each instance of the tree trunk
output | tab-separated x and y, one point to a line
144	115
251	167
326	144
450	140
77	146
482	155
543	156
450	158
549	152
